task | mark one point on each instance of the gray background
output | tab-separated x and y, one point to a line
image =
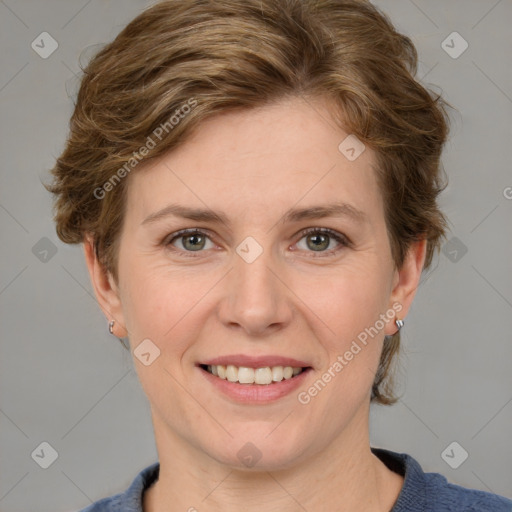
65	381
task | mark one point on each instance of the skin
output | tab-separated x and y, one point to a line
294	300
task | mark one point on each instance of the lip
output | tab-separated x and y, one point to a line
256	394
255	361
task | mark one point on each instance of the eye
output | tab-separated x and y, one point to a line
319	240
190	240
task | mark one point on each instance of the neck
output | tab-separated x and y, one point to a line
346	476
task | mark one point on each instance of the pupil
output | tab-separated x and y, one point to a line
317	237
194	239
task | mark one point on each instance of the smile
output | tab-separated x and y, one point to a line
246	375
257	385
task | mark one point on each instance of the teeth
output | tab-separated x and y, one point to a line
232	373
245	375
277	373
221	371
263	376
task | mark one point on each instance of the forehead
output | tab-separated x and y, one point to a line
253	163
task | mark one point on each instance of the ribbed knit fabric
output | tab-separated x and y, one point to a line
421	492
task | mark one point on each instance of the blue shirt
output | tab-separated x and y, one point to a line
421	492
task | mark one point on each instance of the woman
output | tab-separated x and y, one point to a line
255	186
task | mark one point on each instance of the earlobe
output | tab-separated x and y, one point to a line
105	290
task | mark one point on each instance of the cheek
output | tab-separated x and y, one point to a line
147	299
346	300
347	306
165	305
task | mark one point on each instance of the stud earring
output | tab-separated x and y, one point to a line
121	340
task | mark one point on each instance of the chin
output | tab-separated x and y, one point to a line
257	447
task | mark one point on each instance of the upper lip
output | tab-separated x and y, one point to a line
255	361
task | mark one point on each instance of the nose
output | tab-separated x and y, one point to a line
256	299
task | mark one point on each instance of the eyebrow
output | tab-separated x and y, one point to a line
338	209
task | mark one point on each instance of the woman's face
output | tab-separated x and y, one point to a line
256	290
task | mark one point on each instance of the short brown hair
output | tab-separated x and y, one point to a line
241	54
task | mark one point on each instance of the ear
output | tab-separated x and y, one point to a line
105	288
406	281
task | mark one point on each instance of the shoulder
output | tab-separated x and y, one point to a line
450	497
131	499
110	504
431	492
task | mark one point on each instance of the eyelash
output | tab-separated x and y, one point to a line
338	237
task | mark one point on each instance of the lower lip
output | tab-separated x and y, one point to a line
256	393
